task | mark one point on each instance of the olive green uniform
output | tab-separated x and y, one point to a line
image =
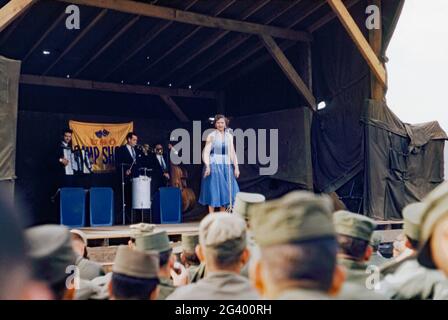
355	286
411	281
220	285
166	288
304	294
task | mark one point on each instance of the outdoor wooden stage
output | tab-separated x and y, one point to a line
123	231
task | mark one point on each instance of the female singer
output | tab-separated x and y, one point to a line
219	186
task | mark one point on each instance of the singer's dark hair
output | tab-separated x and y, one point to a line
221	116
130	134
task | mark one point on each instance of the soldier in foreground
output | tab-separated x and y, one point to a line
135	275
223	248
298	248
433	243
354	232
159	242
409	280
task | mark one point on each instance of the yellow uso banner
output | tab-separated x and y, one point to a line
99	141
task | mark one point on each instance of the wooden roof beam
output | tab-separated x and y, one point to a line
77	39
288	70
221	8
151	35
12	10
360	41
174	108
231	45
211	41
113	87
182	16
107	44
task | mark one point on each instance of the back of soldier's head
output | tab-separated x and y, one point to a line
297	239
354	233
53	259
135	274
223	238
14	270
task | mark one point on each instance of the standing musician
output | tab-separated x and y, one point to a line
127	164
160	168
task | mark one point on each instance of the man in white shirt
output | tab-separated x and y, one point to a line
65	159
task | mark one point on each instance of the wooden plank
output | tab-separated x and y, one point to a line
116	232
151	35
329	17
12	10
211	41
376	41
77	39
113	87
288	70
107	44
194	18
13	27
358	38
222	7
174	108
44	36
237	42
284	46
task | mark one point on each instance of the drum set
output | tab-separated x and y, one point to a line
141	194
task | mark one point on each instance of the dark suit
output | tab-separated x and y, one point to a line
123	162
158	180
123	158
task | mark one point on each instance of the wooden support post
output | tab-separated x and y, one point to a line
375	40
12	10
288	70
358	38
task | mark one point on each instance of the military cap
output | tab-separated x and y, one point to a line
134	263
244	200
376	239
412	215
50	251
189	241
142	228
353	225
223	231
80	234
436	207
157	241
297	216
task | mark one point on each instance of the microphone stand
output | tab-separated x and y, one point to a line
230	209
123	201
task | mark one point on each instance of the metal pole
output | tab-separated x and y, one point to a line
122	195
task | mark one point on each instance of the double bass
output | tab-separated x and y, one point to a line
178	179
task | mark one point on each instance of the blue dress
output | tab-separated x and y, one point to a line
215	187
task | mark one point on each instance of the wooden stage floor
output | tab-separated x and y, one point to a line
123	231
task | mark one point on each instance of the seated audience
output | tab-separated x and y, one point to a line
134	275
406	278
298	248
223	248
53	259
354	232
